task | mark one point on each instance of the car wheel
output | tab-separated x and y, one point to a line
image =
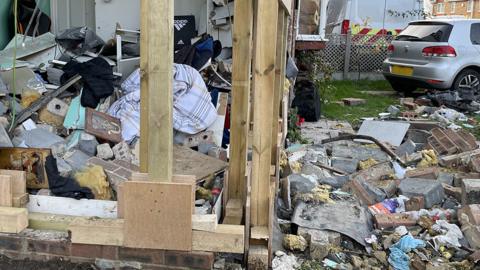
468	83
403	87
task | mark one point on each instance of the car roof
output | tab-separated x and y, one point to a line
449	20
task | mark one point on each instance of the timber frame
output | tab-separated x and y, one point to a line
258	122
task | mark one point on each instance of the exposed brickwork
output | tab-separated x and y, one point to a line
45	246
393	220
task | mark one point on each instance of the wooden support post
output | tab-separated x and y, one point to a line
242	65
156	128
279	78
264	88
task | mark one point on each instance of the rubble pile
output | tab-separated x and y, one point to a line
70	112
394	195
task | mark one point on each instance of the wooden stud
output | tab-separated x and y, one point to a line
106	232
264	88
19	180
206	223
13	220
49	222
242	65
227	238
6	194
157	96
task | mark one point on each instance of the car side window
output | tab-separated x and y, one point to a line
475	33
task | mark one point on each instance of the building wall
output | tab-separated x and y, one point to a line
457	8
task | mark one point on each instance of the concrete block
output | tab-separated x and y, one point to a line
345	164
470	191
104	151
59	149
41	138
320	241
58	107
415	204
310	169
431	191
335	182
301	184
76	159
63	167
122	151
445	178
406	148
88	144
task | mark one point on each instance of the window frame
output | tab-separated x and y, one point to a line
442	10
470	4
453	7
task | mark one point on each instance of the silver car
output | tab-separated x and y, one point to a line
435	54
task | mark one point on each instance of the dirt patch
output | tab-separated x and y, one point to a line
57	264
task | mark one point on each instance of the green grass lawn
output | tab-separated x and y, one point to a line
353	89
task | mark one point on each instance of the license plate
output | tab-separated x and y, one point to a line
404	71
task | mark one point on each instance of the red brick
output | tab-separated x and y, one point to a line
415	204
359	191
196	260
94	251
393	220
51	247
107	166
409	115
11	242
425	173
410	105
150	256
473	213
455	192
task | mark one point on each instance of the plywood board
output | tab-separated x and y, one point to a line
6	194
227	238
189	162
158	215
13	220
107	232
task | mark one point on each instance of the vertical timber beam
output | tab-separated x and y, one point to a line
279	78
156	127
242	65
264	89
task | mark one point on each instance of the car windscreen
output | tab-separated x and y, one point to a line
426	32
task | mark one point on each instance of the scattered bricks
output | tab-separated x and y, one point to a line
320	241
431	191
104	151
410	105
415	204
385	221
425	173
94	251
354	101
150	256
441	142
406	148
410	115
462	144
470	191
122	151
127	165
191	260
454	192
473	213
458	178
359	191
454	161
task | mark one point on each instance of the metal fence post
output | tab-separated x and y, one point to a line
348	52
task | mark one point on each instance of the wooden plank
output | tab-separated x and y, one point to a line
260	233
20	200
19	180
144	119
280	67
258	257
234	208
227	239
264	88
158	215
106	232
6	195
13	220
72	207
206	223
157	74
49	222
242	65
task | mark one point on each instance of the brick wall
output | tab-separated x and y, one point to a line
45	246
457	8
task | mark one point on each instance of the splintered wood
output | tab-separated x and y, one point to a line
158	215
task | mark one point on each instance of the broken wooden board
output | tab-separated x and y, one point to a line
6	195
30	160
72	207
189	162
19	180
106	232
13	220
158	215
227	238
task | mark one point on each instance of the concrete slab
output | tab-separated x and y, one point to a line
384	131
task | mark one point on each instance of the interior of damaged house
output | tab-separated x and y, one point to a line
231	134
